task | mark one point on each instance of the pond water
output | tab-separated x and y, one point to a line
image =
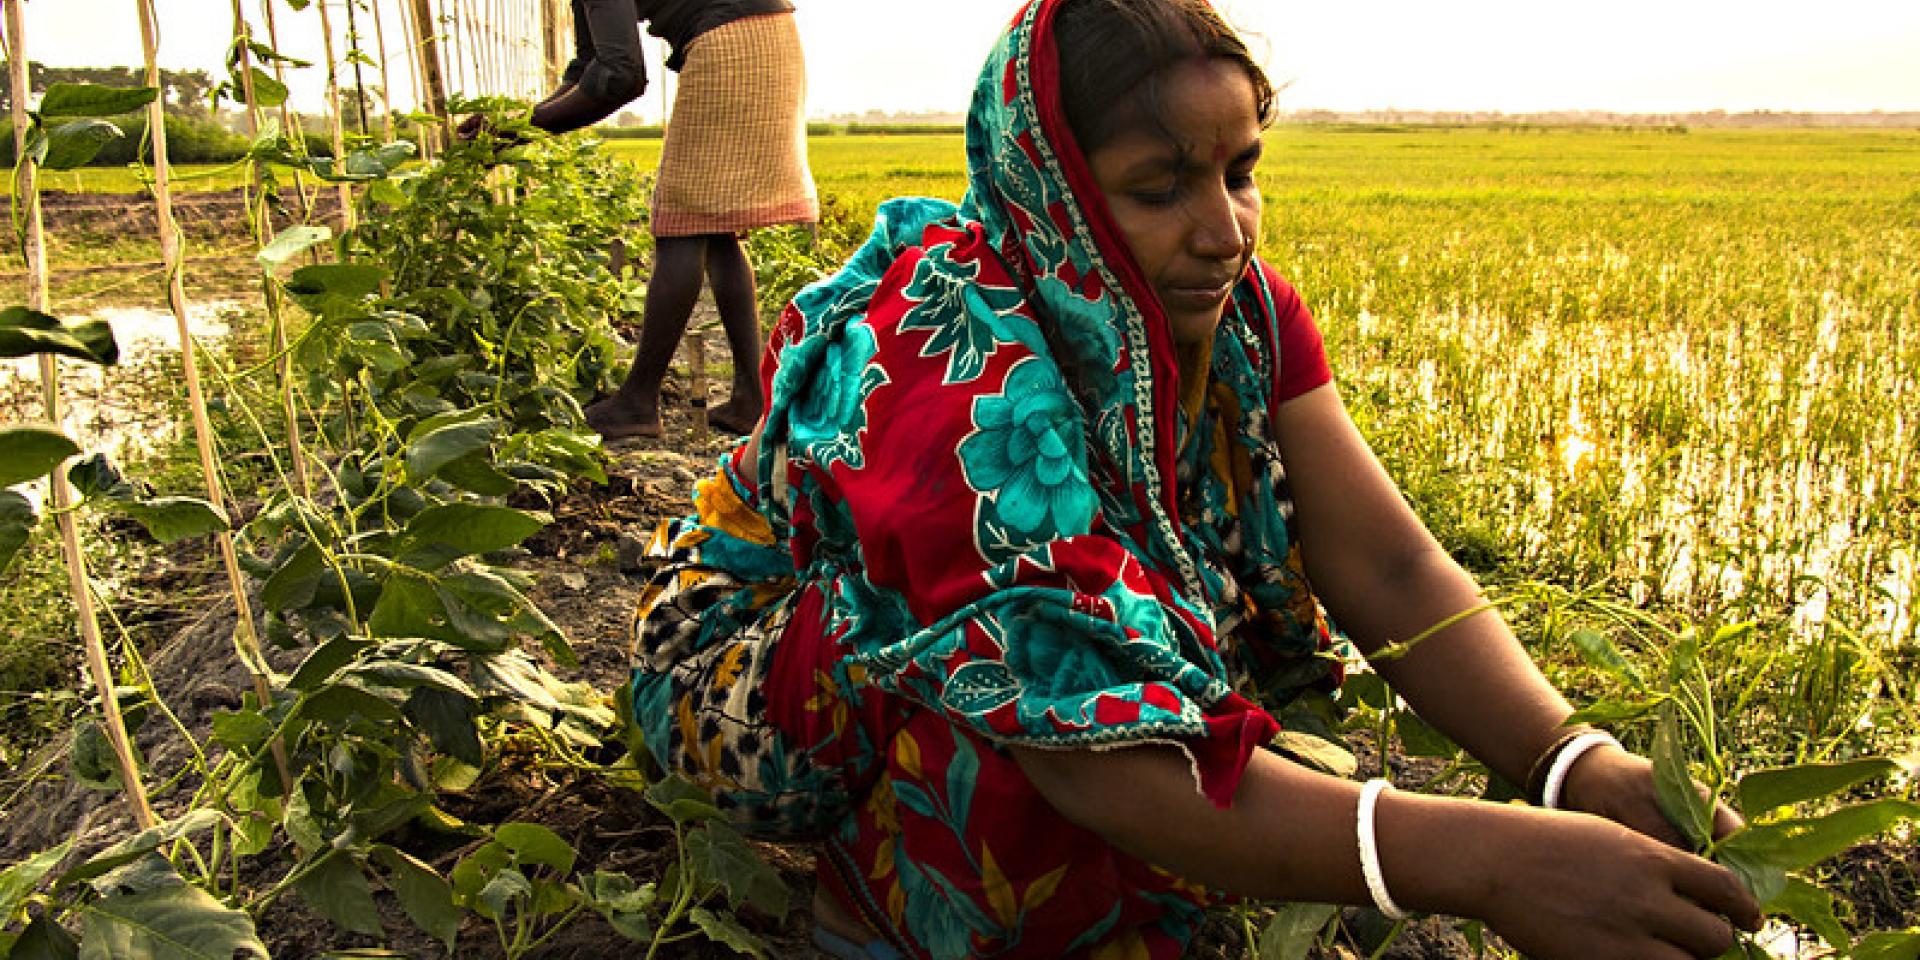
124	409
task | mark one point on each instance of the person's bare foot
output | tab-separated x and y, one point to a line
617	418
734	417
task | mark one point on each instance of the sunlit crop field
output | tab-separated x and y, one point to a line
1678	368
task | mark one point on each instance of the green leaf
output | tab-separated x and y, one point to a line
439	535
720	855
1903	945
1608	712
267	92
17	521
44	939
1762	879
294	584
666	791
325	661
423	894
90	756
475	474
339	704
441	440
1680	801
1764	790
171	923
266	54
1810	907
450	722
242	729
338	891
409	607
724	929
95	477
502	890
406	676
140	844
625	906
1293	930
292	242
171	519
25	332
28	453
473	871
19	881
351	281
73	145
533	843
1799	844
93	100
1599	651
1420	738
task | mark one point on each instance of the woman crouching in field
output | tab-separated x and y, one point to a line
1035	535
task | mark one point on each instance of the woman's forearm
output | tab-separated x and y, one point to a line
1472	680
1556	885
1290	833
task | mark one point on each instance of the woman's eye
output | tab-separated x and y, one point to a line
1157	198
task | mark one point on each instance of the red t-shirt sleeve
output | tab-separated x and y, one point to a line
1303	355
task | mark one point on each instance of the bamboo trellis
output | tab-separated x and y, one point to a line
99	670
245	637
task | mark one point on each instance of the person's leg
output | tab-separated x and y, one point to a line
634	410
731	276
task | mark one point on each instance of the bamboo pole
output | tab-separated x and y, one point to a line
244	635
475	51
288	125
386	88
296	448
334	119
98	668
426	47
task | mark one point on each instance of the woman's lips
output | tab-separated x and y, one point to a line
1196	297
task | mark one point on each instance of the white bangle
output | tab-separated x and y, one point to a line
1563	765
1370	851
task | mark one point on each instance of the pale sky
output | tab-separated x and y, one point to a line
1515	56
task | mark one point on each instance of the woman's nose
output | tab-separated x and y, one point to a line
1217	232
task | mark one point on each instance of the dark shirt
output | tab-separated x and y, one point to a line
607	64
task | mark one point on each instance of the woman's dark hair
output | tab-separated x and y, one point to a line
1113	51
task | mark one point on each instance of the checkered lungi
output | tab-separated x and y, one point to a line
736	150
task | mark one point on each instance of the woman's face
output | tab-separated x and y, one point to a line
1182	192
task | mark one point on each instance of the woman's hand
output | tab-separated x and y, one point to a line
1610	782
1578	887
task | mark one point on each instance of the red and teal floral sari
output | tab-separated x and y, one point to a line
979	517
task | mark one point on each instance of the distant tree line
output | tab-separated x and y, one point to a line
185	92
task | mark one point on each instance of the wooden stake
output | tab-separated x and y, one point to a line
335	122
426	44
244	636
289	121
296	449
98	668
386	88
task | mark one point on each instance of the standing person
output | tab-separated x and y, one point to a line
1038	533
735	158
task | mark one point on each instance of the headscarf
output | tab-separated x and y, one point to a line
970	451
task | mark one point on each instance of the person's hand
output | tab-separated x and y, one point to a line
1579	887
1608	781
472	126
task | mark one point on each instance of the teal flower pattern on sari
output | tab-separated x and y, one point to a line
1029	457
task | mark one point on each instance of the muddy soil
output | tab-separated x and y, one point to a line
201	214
